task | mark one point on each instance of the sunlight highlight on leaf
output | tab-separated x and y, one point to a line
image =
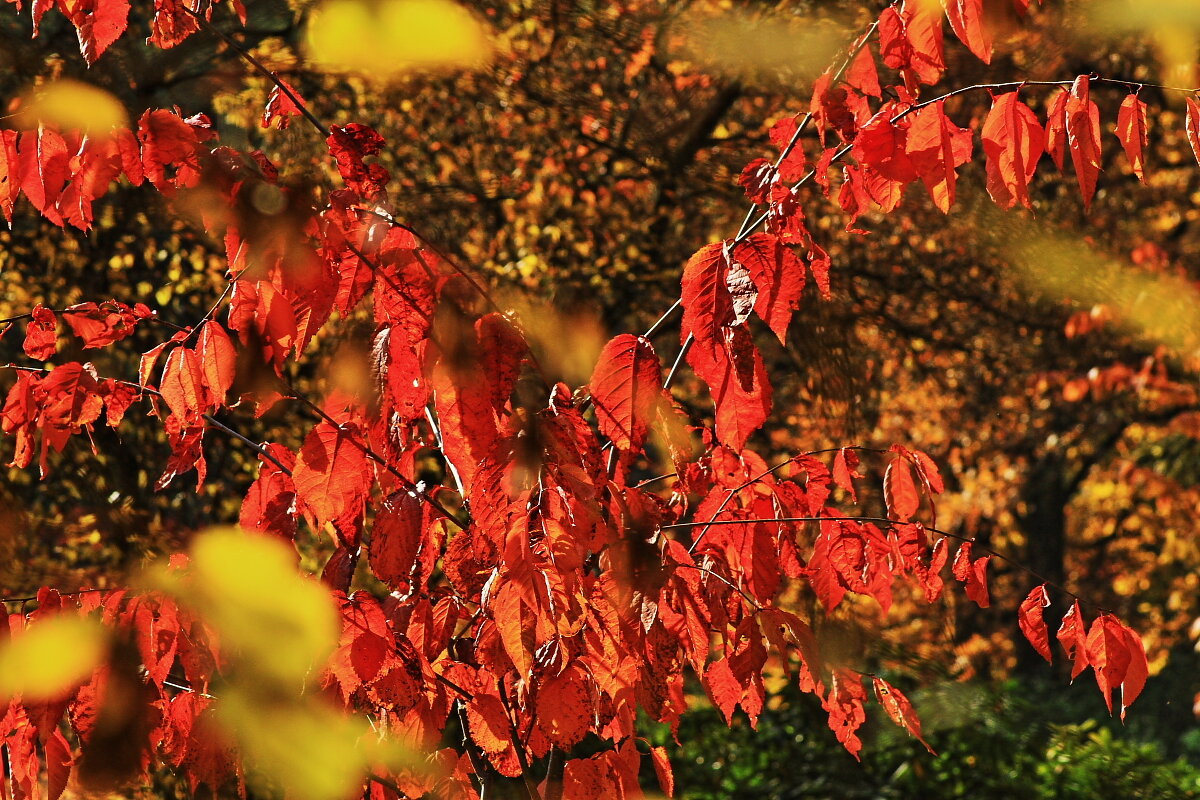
388	37
68	105
50	658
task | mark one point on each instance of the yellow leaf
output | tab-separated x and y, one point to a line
73	106
386	37
50	657
280	623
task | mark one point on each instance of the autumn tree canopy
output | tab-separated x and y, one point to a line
550	336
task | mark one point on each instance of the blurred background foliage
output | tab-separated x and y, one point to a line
578	169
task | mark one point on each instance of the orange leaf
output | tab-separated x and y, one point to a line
1071	637
973	574
662	768
625	389
1131	130
1083	137
778	275
332	476
967	22
1192	125
899	709
1032	623
899	492
1013	142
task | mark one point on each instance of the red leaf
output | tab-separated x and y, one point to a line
270	503
756	179
182	384
58	764
910	40
899	709
95	166
1108	653
564	707
625	389
332	476
10	173
41	335
1131	130
218	362
515	619
1137	673
845	706
100	325
737	379
44	166
1192	125
365	646
845	470
778	275
899	492
280	108
662	768
259	310
707	304
396	540
862	75
118	397
723	688
98	23
882	146
973	574
1071	636
172	23
967	21
931	581
503	348
168	141
1032	623
1056	128
1013	142
1083	137
349	145
936	147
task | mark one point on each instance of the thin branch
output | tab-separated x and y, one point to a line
891	522
254	62
771	471
719	577
687	345
378	459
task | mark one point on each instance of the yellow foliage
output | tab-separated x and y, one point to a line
71	105
388	37
280	623
317	759
50	657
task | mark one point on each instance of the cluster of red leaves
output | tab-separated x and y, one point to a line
62	174
556	600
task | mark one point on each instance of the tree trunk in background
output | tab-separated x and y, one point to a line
1044	522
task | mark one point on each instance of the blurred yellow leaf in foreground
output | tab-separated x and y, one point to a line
50	657
73	106
386	37
280	623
